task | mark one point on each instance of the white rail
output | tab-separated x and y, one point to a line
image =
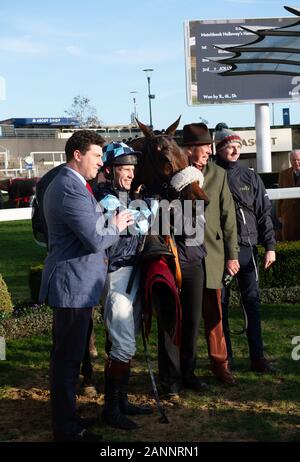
283	193
25	213
15	214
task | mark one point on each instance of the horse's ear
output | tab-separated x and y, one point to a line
145	129
172	128
137	143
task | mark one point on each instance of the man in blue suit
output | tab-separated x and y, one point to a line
74	273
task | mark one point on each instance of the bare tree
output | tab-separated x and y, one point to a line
84	112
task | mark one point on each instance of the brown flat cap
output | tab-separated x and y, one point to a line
197	133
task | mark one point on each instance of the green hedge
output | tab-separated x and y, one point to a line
285	272
34	321
279	284
283	275
274	295
29	319
6	305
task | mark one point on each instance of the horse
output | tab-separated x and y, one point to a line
164	171
20	190
161	160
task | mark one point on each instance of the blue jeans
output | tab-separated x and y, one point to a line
249	290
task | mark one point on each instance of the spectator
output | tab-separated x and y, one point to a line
254	224
289	209
122	310
40	232
74	273
220	240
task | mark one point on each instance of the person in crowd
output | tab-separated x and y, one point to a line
122	308
288	210
74	273
177	362
40	232
220	239
253	214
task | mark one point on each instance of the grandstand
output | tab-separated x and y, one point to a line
60	128
116	132
44	139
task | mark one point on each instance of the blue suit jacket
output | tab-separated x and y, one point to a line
76	264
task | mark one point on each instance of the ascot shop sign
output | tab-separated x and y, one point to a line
281	140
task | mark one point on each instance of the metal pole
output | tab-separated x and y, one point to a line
6	161
6	153
263	138
134	114
148	73
149	96
134	107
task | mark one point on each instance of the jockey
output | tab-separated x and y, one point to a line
122	310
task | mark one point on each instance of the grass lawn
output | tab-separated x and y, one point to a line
259	408
19	252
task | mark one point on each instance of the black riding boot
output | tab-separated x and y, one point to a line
115	372
108	343
125	406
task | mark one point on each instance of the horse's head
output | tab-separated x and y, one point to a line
164	154
161	156
161	159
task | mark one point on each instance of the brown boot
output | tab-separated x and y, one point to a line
115	374
222	373
262	365
126	407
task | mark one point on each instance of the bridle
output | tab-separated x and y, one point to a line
163	185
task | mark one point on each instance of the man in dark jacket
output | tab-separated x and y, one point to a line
122	310
40	232
74	273
254	224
